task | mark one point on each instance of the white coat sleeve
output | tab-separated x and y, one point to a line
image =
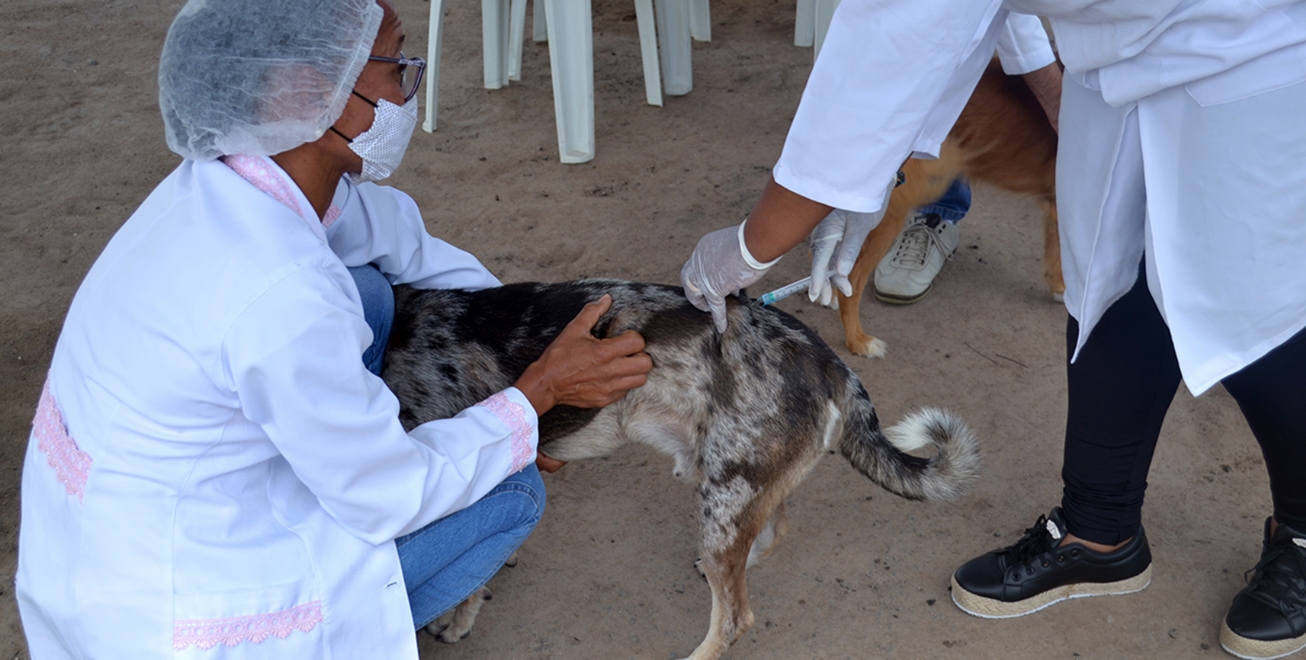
293	360
876	95
381	225
1023	45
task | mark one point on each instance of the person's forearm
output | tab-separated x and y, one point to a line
1045	83
780	220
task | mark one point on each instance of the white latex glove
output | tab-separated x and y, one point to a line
720	266
835	245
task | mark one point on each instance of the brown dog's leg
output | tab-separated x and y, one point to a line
876	246
1052	251
926	181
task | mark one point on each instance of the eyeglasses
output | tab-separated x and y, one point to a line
410	72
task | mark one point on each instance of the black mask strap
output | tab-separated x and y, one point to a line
342	135
369	102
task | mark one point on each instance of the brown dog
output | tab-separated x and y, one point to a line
1002	138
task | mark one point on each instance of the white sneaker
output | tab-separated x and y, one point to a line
908	270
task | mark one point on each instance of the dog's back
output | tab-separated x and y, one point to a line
764	393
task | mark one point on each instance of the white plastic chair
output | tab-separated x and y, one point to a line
571	58
823	11
811	23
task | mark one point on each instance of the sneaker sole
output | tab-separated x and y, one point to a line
989	608
894	300
1255	649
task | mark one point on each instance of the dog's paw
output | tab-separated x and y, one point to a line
868	346
1059	296
698	566
456	624
511	562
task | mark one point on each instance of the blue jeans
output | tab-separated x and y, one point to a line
953	205
378	310
444	562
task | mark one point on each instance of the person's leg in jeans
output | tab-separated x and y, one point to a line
953	205
444	562
927	240
449	559
378	310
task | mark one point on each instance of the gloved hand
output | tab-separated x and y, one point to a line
835	245
720	266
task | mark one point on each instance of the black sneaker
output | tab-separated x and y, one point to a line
1267	618
1035	573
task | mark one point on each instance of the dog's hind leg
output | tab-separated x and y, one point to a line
777	526
734	514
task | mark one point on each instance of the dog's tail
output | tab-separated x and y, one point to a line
882	456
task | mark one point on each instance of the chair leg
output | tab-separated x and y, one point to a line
494	34
539	27
571	60
700	20
433	39
516	28
804	30
824	12
648	50
675	46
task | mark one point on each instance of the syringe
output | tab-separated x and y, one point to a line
785	291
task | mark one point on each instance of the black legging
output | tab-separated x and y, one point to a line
1120	388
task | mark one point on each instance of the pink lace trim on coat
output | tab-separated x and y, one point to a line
514	416
72	466
271	181
264	177
208	633
332	214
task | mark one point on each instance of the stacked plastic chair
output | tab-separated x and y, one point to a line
665	27
812	22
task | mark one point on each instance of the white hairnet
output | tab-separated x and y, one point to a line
260	76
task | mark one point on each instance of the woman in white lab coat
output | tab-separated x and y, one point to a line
1182	195
213	471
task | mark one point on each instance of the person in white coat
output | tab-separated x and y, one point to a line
1182	199
213	471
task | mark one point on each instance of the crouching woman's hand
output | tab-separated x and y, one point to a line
580	370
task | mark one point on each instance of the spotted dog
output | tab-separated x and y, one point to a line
745	414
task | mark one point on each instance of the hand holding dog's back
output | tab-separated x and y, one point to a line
578	369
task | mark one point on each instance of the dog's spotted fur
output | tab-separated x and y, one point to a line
745	414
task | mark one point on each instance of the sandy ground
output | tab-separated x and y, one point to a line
608	574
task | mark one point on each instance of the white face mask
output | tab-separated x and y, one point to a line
383	145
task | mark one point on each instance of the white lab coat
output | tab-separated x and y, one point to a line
212	472
1023	45
1226	249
